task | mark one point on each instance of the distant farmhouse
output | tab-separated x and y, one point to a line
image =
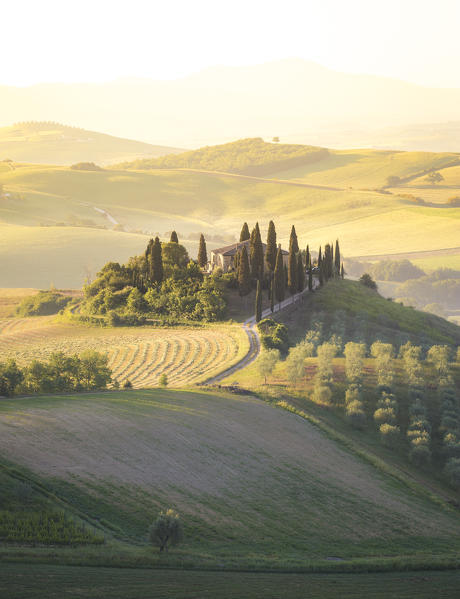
224	257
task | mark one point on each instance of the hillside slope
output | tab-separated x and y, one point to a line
253	484
53	143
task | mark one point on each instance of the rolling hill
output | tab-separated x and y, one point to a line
256	486
53	143
70	214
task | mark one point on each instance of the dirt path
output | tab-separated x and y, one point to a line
250	328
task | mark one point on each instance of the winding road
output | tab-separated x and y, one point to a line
250	328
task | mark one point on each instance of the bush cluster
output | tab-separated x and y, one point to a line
43	303
62	372
273	335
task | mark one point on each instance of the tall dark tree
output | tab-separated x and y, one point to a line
307	258
310	279
270	252
202	253
244	276
293	243
174	238
300	273
257	254
258	302
279	283
292	273
337	259
156	262
327	262
320	267
244	235
272	294
342	272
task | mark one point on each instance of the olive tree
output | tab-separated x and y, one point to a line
267	362
166	530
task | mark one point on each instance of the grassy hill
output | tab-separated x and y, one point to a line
245	156
256	486
53	143
334	197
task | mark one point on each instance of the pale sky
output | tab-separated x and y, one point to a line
101	40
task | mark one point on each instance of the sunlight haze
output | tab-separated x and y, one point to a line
98	41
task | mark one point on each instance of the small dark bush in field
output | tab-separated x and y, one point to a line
368	281
163	381
86	166
127	384
166	530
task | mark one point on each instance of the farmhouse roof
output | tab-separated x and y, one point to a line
231	250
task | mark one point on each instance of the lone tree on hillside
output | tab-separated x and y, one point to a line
202	253
244	276
368	281
279	282
434	177
270	252
267	362
166	530
244	235
174	238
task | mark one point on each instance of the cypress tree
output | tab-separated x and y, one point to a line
272	294
244	235
293	243
292	273
174	238
337	258
342	272
279	283
300	273
327	262
156	262
244	277
270	252
257	254
320	267
258	302
202	253
310	279
307	258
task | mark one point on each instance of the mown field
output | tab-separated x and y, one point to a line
28	582
255	485
332	198
139	354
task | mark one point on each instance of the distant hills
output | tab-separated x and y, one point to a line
299	101
245	156
53	143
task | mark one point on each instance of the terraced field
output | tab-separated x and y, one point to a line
142	355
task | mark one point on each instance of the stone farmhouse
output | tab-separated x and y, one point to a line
224	257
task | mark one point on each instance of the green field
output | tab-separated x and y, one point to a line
256	486
28	582
332	198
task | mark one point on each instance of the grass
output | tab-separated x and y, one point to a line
22	582
227	464
10	298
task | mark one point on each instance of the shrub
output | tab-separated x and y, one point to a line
86	166
322	393
452	471
420	453
355	414
267	362
166	530
273	335
368	281
163	380
389	433
127	384
385	415
43	303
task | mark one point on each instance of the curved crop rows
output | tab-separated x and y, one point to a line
183	356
